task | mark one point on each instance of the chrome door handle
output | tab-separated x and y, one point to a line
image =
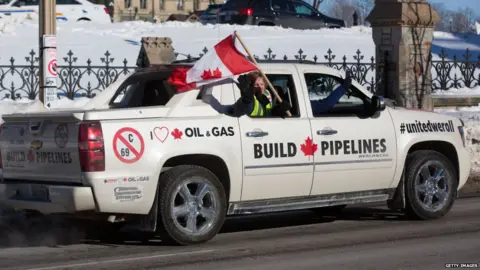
326	132
256	134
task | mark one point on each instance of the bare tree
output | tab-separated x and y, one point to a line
364	7
463	20
445	16
343	9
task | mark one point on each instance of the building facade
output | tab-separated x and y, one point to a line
127	10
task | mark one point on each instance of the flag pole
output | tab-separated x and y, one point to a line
261	72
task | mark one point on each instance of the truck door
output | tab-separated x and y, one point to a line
275	151
355	152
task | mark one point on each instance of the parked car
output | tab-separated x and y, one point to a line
210	14
295	14
67	10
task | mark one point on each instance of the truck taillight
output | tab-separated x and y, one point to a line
91	148
246	11
106	10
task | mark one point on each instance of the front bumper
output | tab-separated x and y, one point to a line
47	199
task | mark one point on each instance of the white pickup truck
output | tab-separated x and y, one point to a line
176	164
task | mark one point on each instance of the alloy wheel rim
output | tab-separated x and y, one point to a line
194	207
431	186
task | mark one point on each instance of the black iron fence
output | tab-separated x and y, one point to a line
460	72
79	78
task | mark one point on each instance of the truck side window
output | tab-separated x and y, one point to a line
321	86
285	87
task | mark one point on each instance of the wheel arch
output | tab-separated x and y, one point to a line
443	147
211	162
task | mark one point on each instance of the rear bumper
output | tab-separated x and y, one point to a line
60	199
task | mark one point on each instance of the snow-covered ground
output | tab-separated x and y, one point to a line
90	41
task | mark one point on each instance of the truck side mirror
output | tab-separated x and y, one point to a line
378	103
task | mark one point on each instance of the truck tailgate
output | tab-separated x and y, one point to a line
41	147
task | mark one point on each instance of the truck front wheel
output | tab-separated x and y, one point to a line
431	188
192	205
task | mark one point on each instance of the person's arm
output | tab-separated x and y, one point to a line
245	104
323	105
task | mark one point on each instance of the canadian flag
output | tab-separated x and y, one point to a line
224	61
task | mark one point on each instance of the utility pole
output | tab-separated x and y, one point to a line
48	52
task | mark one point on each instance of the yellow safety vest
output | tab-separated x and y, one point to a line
258	109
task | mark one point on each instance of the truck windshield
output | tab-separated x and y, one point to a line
4	2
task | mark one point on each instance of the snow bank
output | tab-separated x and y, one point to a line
460	92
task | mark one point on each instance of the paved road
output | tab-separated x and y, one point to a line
371	238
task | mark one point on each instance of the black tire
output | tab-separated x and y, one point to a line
169	182
415	162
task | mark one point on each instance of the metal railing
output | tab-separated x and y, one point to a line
79	78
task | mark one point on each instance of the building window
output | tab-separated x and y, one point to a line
180	4
162	4
143	4
128	3
211	2
196	5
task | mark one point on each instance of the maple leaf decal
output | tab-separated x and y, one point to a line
30	156
309	148
177	134
208	74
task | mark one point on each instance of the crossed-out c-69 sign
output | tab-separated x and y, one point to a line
52	67
128	145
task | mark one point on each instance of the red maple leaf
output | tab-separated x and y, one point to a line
31	156
217	73
208	74
177	134
309	148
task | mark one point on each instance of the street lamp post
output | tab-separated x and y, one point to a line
48	52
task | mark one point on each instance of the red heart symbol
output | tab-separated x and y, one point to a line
161	133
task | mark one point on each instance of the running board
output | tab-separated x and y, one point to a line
307	202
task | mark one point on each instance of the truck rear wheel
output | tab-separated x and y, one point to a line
431	185
192	205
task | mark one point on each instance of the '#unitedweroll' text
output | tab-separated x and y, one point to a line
421	127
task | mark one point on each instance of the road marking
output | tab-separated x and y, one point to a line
123	260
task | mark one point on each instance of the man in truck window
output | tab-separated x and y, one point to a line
256	100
